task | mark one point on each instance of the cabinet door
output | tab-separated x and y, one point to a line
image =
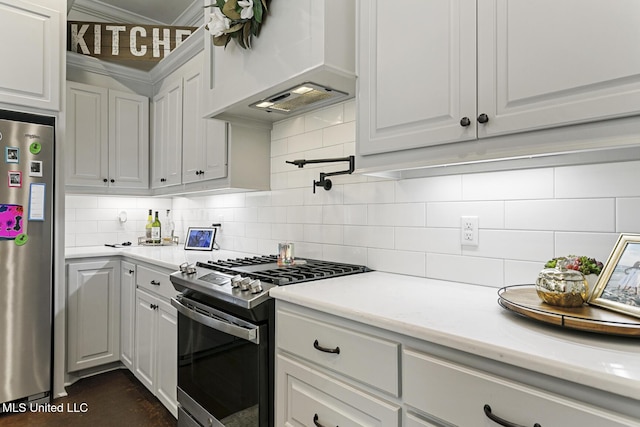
538	69
128	140
86	142
127	312
417	76
93	314
167	356
167	137
31	53
193	136
215	149
145	339
306	397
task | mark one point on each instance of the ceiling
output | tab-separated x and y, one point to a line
148	12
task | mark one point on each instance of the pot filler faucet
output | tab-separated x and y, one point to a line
324	182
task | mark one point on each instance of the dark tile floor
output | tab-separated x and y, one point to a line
114	398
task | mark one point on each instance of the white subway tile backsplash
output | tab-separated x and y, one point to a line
304	214
329	234
447	214
402	262
596	245
561	215
466	269
346	254
80	202
515	245
350	111
324	117
397	214
411	239
628	215
370	192
509	185
599	180
344	214
339	134
369	237
287	128
441	188
444	241
304	142
521	272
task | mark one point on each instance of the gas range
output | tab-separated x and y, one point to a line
246	281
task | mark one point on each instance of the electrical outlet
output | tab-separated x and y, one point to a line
469	230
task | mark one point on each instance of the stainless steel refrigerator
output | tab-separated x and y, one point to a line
26	260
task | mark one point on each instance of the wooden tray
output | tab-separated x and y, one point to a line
524	300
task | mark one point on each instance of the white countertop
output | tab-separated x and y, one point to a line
463	317
163	256
468	318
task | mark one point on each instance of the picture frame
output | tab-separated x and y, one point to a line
200	238
35	168
15	179
12	154
618	286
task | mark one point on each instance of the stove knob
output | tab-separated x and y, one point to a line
256	286
244	284
235	281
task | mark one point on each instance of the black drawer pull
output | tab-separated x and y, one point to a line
324	349
498	420
315	421
153	282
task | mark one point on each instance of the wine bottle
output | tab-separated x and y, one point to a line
169	228
147	228
156	230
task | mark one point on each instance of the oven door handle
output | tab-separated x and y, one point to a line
248	334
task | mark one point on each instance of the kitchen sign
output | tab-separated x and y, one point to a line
124	41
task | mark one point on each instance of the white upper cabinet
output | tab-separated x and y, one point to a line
460	70
107	142
417	77
548	63
167	136
204	140
32	52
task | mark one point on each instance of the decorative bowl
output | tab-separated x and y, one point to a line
562	287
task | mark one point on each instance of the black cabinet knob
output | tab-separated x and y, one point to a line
464	122
113	180
201	172
162	179
483	118
105	180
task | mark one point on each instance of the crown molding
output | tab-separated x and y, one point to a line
193	16
109	13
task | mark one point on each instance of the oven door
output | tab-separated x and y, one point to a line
222	368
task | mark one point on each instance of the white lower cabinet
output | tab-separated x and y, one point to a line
156	332
464	396
307	397
329	375
127	312
331	371
93	314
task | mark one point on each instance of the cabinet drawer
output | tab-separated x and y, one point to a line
306	395
155	281
458	395
373	361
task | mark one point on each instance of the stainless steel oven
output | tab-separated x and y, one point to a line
226	330
224	367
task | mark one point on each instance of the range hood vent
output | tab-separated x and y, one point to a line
300	98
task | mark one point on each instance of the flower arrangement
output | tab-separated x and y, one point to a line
583	264
236	19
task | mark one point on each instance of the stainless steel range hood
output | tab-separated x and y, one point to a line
309	43
300	98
